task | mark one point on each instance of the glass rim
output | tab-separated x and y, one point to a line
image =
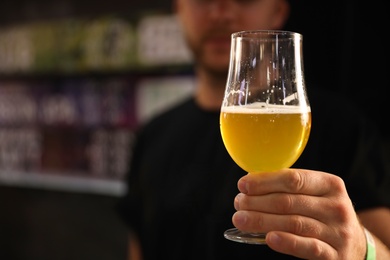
248	33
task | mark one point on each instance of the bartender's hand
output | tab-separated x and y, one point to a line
307	214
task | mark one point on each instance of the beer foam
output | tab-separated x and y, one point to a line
263	108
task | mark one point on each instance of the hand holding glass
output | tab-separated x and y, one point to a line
265	115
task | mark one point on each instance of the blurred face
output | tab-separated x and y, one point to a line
208	25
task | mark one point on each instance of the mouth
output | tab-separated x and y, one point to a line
219	42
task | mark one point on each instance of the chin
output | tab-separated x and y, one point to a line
218	70
215	63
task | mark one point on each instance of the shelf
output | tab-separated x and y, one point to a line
76	81
62	182
135	72
109	44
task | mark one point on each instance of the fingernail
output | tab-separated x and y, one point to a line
237	200
239	218
243	186
274	238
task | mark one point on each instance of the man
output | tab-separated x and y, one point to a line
182	183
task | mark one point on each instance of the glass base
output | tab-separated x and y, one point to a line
248	238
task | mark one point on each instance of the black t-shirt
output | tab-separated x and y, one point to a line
182	181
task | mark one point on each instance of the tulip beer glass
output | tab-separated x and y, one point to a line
265	115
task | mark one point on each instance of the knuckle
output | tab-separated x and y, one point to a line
285	203
260	222
295	181
337	183
346	234
300	226
245	202
341	212
295	225
317	250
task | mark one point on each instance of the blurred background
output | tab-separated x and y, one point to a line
78	77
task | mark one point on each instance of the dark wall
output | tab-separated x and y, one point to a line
13	11
345	50
40	224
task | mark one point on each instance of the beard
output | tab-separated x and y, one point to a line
211	52
218	72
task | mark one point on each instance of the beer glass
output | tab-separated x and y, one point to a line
265	117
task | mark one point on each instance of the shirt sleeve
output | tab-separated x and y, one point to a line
130	205
368	183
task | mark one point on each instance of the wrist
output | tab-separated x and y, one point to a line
370	249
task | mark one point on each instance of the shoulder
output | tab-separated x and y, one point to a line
171	115
166	121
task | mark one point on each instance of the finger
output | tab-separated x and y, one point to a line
296	181
336	208
255	222
301	247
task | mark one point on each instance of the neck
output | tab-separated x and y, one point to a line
210	90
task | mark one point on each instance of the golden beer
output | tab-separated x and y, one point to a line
266	138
